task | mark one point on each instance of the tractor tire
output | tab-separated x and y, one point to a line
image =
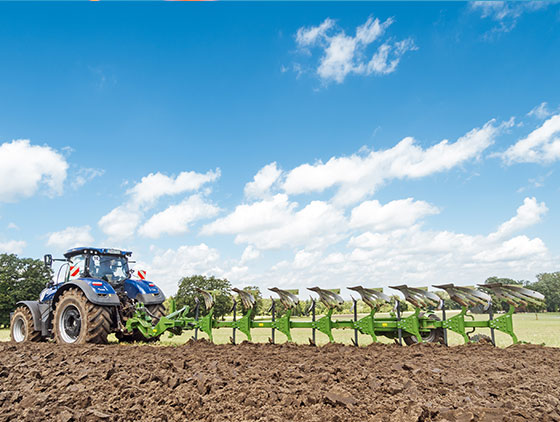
78	321
434	336
156	310
21	326
136	336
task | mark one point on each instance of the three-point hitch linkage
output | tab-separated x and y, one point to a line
423	325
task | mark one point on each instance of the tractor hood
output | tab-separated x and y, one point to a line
143	291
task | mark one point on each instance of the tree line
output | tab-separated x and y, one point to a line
25	278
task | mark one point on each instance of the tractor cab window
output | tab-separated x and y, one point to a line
109	268
77	266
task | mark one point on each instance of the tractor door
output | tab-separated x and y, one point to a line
77	267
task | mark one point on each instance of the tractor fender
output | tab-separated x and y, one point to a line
144	291
107	298
150	299
33	307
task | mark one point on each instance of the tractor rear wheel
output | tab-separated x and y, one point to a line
433	336
156	310
78	321
21	326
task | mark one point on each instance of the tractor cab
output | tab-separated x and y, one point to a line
110	265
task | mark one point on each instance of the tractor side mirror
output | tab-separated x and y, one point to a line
48	260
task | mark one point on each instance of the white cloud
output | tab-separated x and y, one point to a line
416	257
12	246
70	237
25	168
176	218
388	56
342	54
505	14
520	247
169	266
274	223
155	185
541	111
394	214
85	175
249	254
263	181
120	223
541	146
358	175
309	36
13	226
528	214
253	217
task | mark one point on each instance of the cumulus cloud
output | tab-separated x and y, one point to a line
418	257
274	223
25	168
12	246
528	214
170	265
70	237
520	247
249	254
541	146
263	181
395	214
122	222
360	175
176	218
155	185
343	54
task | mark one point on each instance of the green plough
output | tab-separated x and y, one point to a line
423	325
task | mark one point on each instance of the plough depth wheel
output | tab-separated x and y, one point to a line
435	335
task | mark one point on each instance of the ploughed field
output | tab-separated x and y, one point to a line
203	381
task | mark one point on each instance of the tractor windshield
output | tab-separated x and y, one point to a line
109	267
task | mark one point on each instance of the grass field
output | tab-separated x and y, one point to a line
532	328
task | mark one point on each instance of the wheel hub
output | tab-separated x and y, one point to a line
70	324
19	330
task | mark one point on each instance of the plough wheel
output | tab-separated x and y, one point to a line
434	336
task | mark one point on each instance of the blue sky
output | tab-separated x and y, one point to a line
271	143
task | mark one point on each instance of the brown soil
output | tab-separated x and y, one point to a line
202	381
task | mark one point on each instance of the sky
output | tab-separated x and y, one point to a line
285	144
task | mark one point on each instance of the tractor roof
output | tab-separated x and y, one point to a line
95	251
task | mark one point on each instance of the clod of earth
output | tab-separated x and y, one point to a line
265	382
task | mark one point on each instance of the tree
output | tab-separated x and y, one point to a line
549	285
20	279
188	291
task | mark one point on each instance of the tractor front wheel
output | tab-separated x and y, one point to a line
21	326
78	321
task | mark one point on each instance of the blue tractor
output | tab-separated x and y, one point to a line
95	298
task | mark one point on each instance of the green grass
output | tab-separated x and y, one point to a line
532	328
